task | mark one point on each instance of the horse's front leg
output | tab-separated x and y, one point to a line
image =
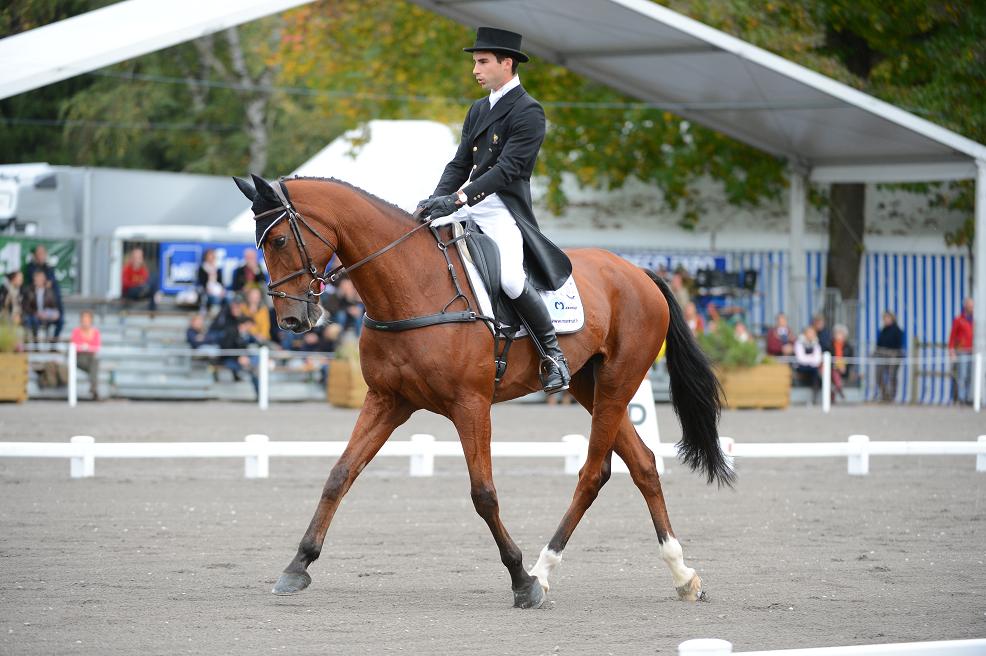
381	414
473	424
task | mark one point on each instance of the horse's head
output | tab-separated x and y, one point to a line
295	254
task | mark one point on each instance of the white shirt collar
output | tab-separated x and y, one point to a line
499	93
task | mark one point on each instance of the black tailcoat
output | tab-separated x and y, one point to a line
496	155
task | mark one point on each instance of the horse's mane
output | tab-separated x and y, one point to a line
376	200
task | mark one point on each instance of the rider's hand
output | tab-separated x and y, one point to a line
442	206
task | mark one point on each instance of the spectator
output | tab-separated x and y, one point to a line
196	334
714	318
39	262
210	282
889	344
250	274
808	361
11	297
823	333
841	350
87	342
254	309
136	283
780	341
236	335
679	289
694	319
740	332
40	308
346	307
960	351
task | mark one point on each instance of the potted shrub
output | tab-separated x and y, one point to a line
748	379
345	386
13	363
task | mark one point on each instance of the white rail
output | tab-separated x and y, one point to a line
256	450
713	647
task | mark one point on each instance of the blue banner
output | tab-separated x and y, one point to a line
180	263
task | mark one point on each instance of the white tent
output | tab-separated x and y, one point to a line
400	161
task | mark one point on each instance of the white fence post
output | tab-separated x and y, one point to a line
826	381
705	647
257	465
73	377
83	466
574	461
727	444
981	457
859	455
423	457
263	378
977	383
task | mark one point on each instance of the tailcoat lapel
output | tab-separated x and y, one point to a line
500	109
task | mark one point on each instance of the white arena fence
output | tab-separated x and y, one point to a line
422	450
713	647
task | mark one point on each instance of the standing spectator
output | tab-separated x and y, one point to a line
824	334
136	283
780	341
254	309
679	289
346	307
210	282
808	360
841	350
889	344
87	342
41	308
250	274
11	296
960	351
39	262
694	319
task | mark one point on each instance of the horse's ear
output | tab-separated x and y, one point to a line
264	190
245	187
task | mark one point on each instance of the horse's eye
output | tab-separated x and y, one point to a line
280	241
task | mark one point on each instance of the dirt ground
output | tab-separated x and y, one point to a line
178	556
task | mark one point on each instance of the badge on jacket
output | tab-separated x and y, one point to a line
496	138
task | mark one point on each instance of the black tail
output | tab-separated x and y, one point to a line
696	395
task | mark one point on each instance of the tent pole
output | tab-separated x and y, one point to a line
796	311
979	255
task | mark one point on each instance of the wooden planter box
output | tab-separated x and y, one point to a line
13	380
345	386
762	386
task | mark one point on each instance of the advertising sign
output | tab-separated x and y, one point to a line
180	263
15	253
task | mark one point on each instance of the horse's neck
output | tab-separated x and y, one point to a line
408	280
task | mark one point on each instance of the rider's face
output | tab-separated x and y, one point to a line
490	73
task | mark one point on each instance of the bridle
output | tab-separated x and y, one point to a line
296	221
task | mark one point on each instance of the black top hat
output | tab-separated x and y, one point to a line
494	40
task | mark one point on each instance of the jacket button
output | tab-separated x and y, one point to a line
475	148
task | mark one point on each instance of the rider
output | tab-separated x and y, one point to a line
489	181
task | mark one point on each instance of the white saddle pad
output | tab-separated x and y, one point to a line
564	305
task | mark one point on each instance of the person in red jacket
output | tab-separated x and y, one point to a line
137	284
960	351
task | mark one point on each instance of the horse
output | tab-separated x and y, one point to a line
448	368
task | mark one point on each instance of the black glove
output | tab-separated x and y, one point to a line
441	206
421	211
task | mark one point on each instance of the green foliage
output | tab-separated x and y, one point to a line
725	350
11	336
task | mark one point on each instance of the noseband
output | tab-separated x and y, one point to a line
296	222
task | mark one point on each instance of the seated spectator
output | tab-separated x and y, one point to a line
137	284
210	282
11	297
346	308
741	333
254	309
250	274
694	319
841	350
40	308
780	341
87	342
679	289
236	335
196	334
39	262
890	345
823	333
808	361
713	311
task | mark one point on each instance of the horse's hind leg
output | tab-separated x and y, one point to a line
381	414
473	424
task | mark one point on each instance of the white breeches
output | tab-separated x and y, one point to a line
495	220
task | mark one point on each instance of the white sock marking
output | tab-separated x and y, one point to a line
547	562
672	555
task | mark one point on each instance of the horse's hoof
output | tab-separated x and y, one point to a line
692	591
530	597
290	583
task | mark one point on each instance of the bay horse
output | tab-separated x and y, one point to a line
449	368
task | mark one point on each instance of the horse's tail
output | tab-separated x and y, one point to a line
696	395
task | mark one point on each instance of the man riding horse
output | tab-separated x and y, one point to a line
489	182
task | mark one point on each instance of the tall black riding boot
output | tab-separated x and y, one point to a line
554	367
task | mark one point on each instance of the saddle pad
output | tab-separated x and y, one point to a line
564	305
